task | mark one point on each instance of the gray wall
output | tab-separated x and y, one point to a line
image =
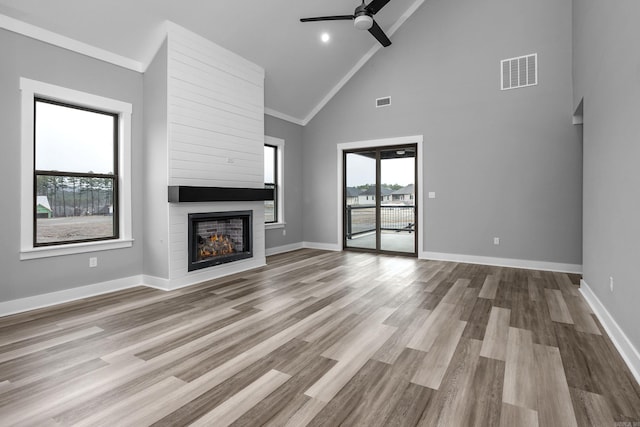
502	163
24	57
156	224
607	76
292	171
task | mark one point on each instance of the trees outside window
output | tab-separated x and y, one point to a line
75	174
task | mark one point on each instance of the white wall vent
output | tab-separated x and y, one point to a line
519	72
383	102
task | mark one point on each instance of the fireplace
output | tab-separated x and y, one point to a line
219	237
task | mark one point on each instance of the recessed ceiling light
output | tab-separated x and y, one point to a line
325	37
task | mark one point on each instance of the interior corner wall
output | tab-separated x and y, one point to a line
25	57
156	224
607	75
503	164
292	171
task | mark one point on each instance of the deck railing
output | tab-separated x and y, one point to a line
362	219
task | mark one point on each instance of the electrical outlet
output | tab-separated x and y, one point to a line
284	231
611	283
496	241
93	261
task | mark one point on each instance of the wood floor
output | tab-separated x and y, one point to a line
322	339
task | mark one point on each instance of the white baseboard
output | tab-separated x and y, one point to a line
284	248
440	256
626	349
156	282
322	246
67	295
503	262
198	277
46	300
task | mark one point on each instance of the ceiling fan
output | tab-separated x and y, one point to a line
362	19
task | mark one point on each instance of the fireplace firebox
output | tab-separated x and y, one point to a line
219	237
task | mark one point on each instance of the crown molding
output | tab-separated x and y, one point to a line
37	33
68	43
160	34
277	114
367	56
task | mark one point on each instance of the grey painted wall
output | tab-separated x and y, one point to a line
502	163
24	57
155	166
607	76
292	171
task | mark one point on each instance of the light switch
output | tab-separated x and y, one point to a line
432	194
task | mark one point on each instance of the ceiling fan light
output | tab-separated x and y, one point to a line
363	22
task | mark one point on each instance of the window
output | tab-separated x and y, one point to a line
76	171
76	174
271	181
273	160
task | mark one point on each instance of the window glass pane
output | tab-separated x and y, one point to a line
72	209
270	208
73	140
269	164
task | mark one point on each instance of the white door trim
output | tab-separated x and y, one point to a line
374	143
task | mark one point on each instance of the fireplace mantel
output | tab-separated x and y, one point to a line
183	194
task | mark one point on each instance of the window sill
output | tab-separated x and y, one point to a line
273	225
74	248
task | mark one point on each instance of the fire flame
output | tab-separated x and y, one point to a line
216	245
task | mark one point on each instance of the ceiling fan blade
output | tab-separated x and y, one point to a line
329	18
375	6
377	32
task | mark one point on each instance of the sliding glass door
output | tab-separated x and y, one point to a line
361	213
398	207
380	200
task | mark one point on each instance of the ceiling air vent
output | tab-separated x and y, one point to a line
383	102
519	72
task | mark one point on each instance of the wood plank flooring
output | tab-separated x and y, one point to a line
322	339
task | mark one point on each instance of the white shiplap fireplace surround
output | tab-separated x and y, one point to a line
204	126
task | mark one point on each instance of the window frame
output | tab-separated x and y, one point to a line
273	184
279	184
32	90
113	176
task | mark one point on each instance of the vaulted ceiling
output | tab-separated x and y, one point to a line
302	73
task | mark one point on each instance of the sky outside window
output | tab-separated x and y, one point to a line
73	140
